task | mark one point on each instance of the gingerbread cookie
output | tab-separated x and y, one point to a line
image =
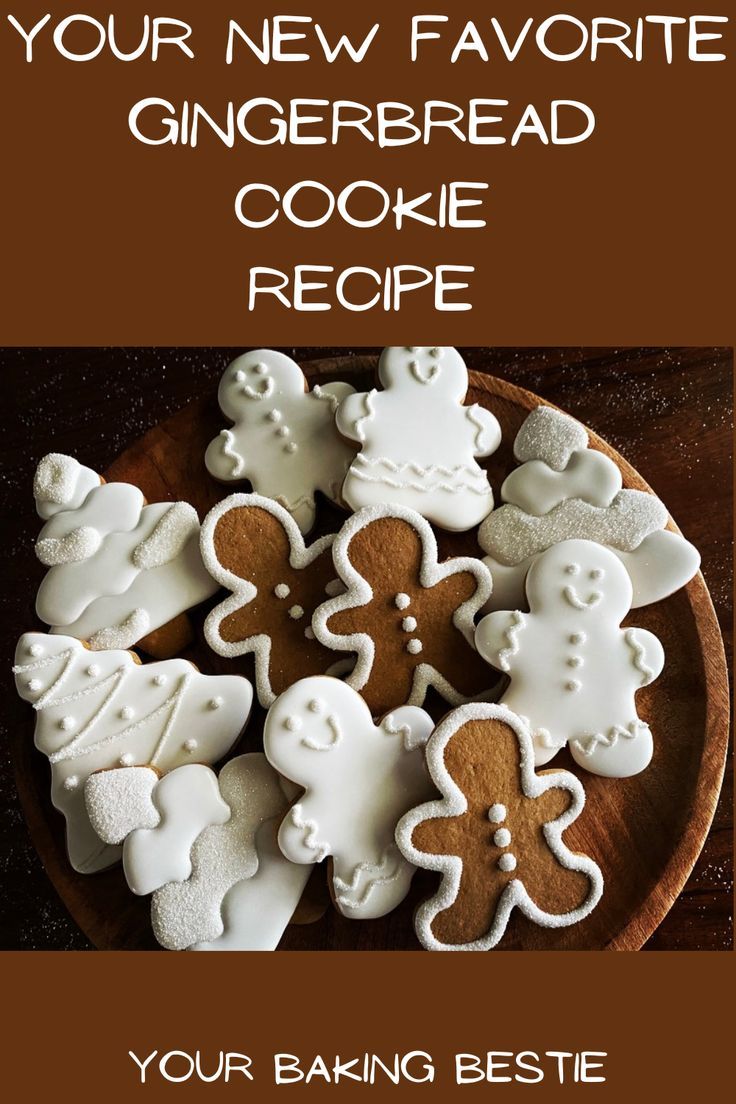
495	835
205	848
565	490
284	438
409	617
97	710
252	546
358	779
418	442
119	570
574	671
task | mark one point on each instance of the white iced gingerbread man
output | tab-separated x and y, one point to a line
284	438
359	778
418	441
574	671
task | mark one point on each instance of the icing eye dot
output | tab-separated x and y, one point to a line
497	813
597	573
502	837
291	447
316	706
577	638
507	862
283	431
260	368
190	745
411	348
239	375
126	759
401	601
572	569
575	661
274	415
159	680
572	685
293	724
409	624
93	670
35	650
281	590
215	703
296	612
309	632
71	782
66	723
126	713
436	353
34	685
414	647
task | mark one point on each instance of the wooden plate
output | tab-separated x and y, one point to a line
645	832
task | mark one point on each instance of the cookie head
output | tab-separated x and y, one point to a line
258	377
439	370
579	576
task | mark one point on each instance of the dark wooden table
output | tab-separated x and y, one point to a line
669	412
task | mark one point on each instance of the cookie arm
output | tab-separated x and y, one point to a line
496	638
488	431
353	412
647	654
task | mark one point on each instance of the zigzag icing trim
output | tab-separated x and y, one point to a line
511	634
587	744
638	659
344	891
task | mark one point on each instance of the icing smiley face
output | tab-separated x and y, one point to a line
284	438
358	779
574	671
418	442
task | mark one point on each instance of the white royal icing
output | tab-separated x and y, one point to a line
284	439
118	568
358	592
418	441
243	591
83	724
355	788
453	803
574	671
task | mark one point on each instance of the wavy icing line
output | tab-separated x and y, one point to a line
318	392
480	427
408	484
367	415
228	449
639	652
309	837
418	469
588	744
343	888
511	634
334	726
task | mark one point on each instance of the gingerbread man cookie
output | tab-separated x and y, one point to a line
418	442
97	710
118	569
565	490
409	617
252	546
574	671
284	438
358	779
495	835
205	848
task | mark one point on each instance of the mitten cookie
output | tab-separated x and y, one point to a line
284	439
358	779
496	835
253	547
205	848
409	618
574	671
564	490
418	442
96	710
120	572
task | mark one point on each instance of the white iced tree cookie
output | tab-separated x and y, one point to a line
358	778
284	438
118	568
205	848
574	671
96	710
566	491
418	442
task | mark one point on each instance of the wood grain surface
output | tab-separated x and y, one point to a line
646	401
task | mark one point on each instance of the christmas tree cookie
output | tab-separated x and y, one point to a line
284	438
418	442
120	572
97	710
565	490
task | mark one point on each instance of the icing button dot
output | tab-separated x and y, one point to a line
575	661
274	415
126	713
409	624
316	706
572	685
291	447
190	745
296	612
497	813
507	862
281	590
576	638
293	724
283	431
502	837
126	759
215	703
414	647
35	650
93	670
401	601
71	782
159	680
66	723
